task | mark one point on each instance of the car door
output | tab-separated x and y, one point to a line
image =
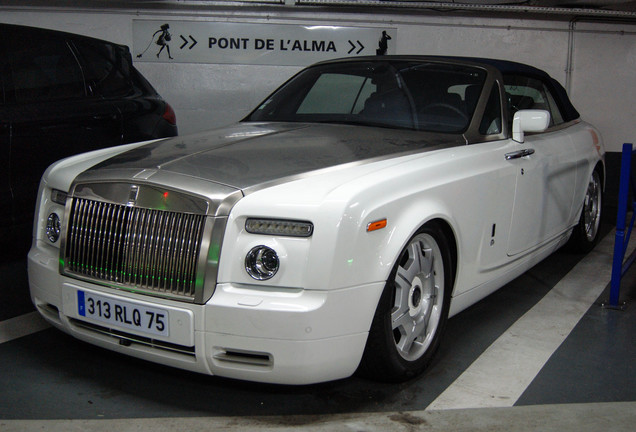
546	171
52	114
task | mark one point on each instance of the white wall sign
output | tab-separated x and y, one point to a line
263	44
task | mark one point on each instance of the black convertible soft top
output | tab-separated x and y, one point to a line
507	67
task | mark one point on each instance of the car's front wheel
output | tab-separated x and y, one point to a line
413	310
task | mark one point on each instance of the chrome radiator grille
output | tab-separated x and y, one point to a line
146	249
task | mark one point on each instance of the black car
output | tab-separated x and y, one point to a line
63	94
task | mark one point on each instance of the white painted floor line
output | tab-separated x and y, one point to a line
502	373
21	326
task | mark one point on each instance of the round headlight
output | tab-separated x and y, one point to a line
262	263
53	227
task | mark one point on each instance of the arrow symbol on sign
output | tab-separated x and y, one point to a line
193	40
353	47
185	42
361	47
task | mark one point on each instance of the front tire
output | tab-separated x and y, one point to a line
413	310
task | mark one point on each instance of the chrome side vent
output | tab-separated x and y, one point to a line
244	357
136	248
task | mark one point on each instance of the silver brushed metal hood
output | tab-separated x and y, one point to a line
222	165
250	154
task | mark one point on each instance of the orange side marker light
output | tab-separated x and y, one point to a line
596	141
374	226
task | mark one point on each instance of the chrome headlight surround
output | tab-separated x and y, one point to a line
53	227
262	263
53	222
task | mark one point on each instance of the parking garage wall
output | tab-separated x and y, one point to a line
594	59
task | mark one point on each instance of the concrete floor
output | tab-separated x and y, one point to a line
539	354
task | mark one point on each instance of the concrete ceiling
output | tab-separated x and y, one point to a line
616	5
626	8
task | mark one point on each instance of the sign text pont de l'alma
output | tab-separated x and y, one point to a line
270	44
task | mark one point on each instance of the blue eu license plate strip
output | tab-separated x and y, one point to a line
123	314
81	303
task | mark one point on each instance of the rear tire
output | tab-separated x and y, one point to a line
587	232
413	310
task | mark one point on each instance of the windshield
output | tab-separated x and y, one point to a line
399	94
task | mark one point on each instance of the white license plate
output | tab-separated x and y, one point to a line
123	314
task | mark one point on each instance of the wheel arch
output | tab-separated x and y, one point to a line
600	166
447	231
379	359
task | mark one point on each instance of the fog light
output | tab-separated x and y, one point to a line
262	263
53	227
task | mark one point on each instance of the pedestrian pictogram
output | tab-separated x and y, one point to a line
163	38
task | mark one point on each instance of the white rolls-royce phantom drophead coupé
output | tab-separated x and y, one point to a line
335	229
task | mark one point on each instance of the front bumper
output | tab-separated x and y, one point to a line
244	332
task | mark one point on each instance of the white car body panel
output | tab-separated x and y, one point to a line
539	216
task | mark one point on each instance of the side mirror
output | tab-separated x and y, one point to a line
529	121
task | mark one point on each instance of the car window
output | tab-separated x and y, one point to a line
45	69
555	113
352	91
401	94
106	69
361	93
523	92
491	121
445	96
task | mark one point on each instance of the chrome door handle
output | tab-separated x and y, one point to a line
519	154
